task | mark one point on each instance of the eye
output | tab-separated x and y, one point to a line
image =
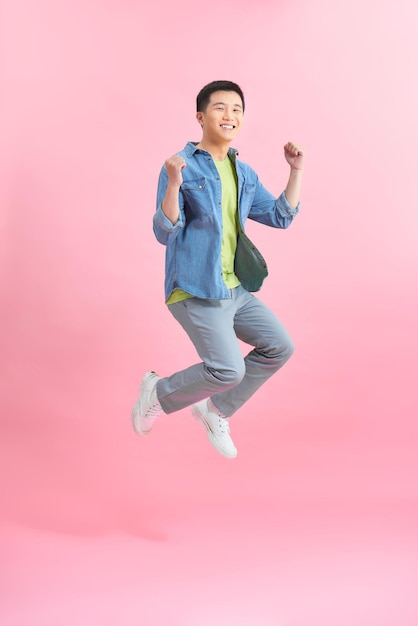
219	108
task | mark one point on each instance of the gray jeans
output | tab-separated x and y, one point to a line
224	375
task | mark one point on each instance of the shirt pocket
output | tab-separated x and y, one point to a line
249	189
247	197
196	195
197	184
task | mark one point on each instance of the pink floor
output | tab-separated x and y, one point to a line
314	524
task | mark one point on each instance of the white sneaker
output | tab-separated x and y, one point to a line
146	408
217	428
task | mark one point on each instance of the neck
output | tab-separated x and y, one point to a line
218	151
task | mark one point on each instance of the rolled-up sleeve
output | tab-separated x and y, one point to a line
285	207
267	209
162	226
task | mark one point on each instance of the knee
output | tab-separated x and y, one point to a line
229	376
281	351
288	349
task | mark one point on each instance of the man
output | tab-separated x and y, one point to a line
204	194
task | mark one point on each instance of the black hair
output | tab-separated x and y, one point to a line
205	93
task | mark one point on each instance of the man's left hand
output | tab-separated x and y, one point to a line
294	155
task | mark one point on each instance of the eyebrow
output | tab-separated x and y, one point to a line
235	105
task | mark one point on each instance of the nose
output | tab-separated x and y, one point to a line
227	114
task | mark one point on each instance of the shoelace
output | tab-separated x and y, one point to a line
223	425
154	411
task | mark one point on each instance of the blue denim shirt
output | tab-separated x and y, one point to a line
193	243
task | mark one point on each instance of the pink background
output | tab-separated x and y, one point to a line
316	522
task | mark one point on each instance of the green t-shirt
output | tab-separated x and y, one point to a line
228	178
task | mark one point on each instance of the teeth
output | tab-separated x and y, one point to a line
226	126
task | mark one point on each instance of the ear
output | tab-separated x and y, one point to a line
199	117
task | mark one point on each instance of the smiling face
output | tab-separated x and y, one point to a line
223	117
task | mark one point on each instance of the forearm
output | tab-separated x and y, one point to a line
170	204
294	187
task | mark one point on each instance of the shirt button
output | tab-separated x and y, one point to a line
200	187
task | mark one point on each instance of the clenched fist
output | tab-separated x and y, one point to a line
174	165
294	155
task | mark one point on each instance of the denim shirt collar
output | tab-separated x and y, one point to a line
191	147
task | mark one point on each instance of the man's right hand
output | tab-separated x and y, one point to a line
174	165
170	205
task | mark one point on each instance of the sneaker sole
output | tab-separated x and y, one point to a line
136	411
136	415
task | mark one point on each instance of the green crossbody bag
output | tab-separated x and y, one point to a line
250	266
